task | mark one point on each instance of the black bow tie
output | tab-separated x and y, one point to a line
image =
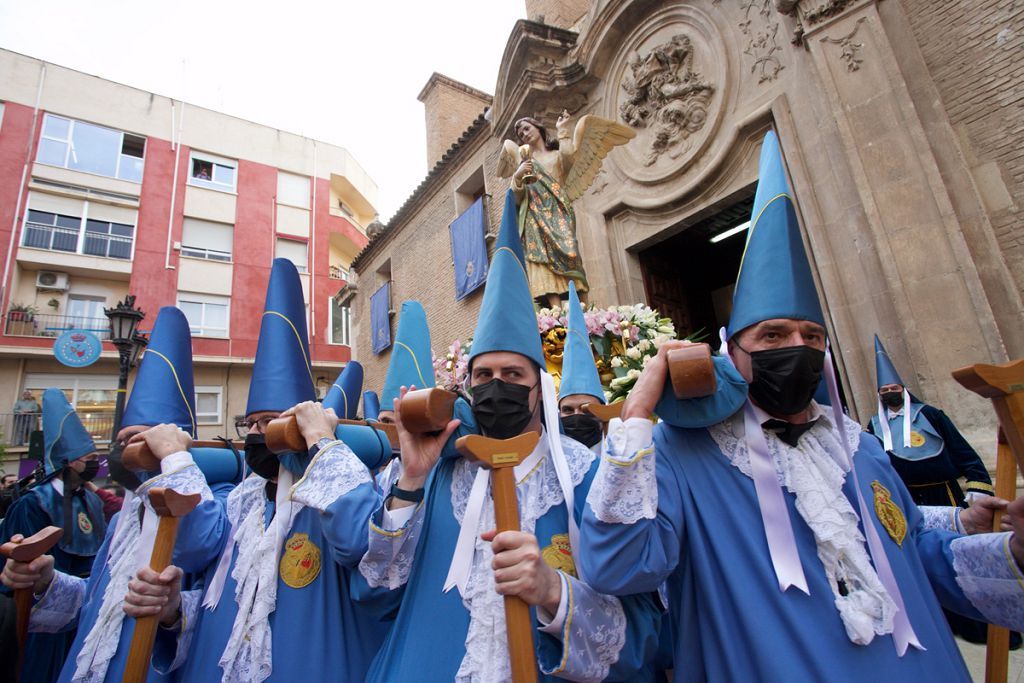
788	432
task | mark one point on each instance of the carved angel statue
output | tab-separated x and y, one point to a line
562	171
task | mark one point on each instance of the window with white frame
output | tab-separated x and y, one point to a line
87	147
207	240
341	323
207	314
79	227
216	173
292	190
208	405
293	250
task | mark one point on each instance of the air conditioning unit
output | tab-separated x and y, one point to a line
48	279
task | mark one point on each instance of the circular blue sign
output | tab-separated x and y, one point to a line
77	348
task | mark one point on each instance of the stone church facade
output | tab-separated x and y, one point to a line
900	122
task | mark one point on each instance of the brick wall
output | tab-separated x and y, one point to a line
974	50
560	13
421	260
449	108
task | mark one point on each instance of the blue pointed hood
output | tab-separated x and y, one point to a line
507	320
65	439
579	371
371	405
885	371
343	395
412	362
164	392
281	374
775	278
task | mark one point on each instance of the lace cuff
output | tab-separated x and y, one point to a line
334	471
58	609
179	472
625	489
990	578
944	517
388	560
592	636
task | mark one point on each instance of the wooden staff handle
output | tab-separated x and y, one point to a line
425	411
137	457
691	371
501	456
171	506
283	434
27	550
998	646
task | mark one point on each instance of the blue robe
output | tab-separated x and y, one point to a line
729	620
428	638
41	507
316	628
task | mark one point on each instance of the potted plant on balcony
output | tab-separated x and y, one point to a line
20	319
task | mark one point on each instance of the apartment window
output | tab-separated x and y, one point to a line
86	313
293	190
87	147
207	314
294	251
207	240
212	172
53	231
208	405
341	323
78	227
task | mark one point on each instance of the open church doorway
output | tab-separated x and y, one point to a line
690	276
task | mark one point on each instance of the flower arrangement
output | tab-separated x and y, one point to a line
624	339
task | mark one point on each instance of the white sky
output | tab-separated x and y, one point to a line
345	72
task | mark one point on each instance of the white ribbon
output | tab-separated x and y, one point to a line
147	538
883	421
550	398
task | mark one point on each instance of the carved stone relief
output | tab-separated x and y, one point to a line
849	50
762	42
665	94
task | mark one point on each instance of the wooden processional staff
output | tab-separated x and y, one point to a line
171	506
27	550
1004	384
500	456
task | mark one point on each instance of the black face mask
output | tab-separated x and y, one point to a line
259	458
892	399
92	468
583	427
118	472
502	409
785	379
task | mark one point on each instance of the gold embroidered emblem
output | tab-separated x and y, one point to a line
84	523
916	439
558	555
889	514
300	564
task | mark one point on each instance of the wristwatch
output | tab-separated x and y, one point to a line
408	496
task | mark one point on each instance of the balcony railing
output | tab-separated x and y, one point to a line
57	238
25	324
15	428
337	273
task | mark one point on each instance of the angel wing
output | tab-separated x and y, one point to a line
593	138
508	160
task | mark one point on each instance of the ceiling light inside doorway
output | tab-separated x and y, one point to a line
730	232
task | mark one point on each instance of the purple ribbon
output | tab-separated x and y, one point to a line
903	632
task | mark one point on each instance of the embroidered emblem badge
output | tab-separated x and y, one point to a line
300	563
916	439
558	555
889	514
84	523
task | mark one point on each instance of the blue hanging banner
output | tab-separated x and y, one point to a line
380	319
469	251
77	348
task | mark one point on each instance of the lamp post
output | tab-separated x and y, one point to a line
124	322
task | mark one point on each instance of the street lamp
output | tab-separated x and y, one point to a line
124	321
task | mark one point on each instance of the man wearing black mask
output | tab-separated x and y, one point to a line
819	554
435	530
580	382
